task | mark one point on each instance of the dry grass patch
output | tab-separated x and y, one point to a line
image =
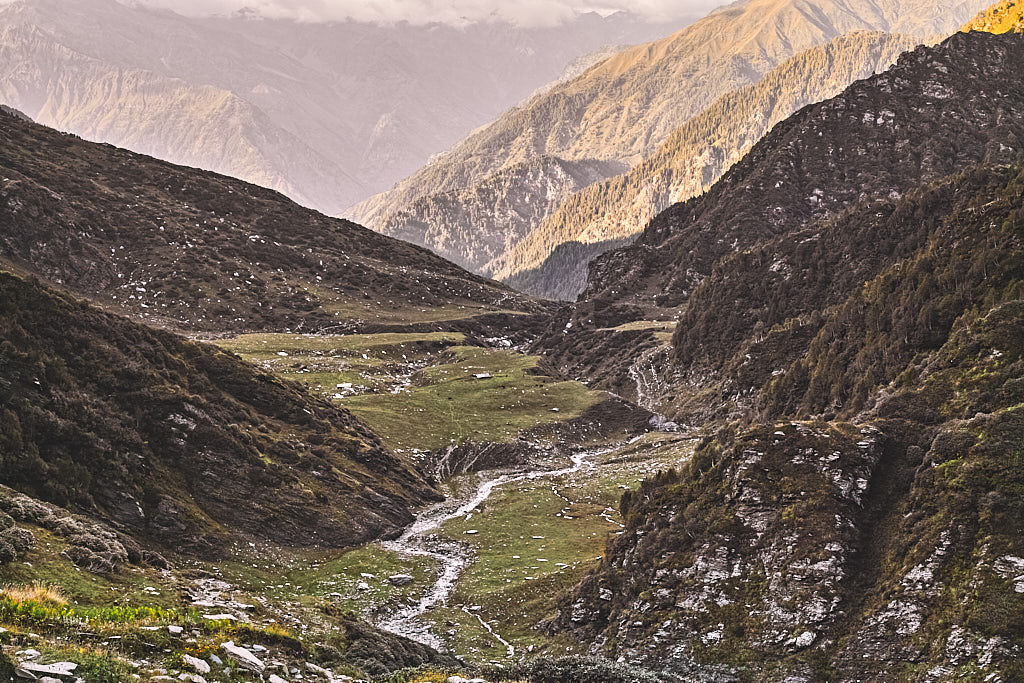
35	592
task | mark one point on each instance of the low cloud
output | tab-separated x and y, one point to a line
524	12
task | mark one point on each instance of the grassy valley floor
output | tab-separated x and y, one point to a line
530	539
422	392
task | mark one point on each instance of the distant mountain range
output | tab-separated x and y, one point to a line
329	114
623	109
693	157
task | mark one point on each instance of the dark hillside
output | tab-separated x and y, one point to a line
939	111
891	537
850	307
198	251
177	442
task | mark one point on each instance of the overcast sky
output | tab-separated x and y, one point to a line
528	12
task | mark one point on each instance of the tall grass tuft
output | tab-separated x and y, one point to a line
35	592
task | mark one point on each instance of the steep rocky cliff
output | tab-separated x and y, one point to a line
852	339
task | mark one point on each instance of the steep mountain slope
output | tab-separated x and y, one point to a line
692	159
1003	17
846	544
850	305
326	113
938	111
199	251
180	443
625	107
474	225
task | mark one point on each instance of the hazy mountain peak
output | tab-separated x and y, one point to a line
306	99
624	107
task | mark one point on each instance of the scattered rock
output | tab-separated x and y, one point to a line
60	669
806	639
243	657
400	580
318	670
198	664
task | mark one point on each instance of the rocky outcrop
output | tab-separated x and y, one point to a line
750	558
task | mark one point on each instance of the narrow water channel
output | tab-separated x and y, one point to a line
420	539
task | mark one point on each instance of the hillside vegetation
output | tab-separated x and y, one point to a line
178	443
938	111
889	526
853	509
198	251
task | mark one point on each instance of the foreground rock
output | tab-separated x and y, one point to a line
243	657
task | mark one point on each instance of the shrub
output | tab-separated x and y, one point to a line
20	539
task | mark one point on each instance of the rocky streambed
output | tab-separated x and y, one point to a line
422	539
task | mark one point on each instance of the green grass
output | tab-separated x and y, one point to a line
44	564
662	329
313	580
270	344
447	405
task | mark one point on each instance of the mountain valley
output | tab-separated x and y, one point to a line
774	431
